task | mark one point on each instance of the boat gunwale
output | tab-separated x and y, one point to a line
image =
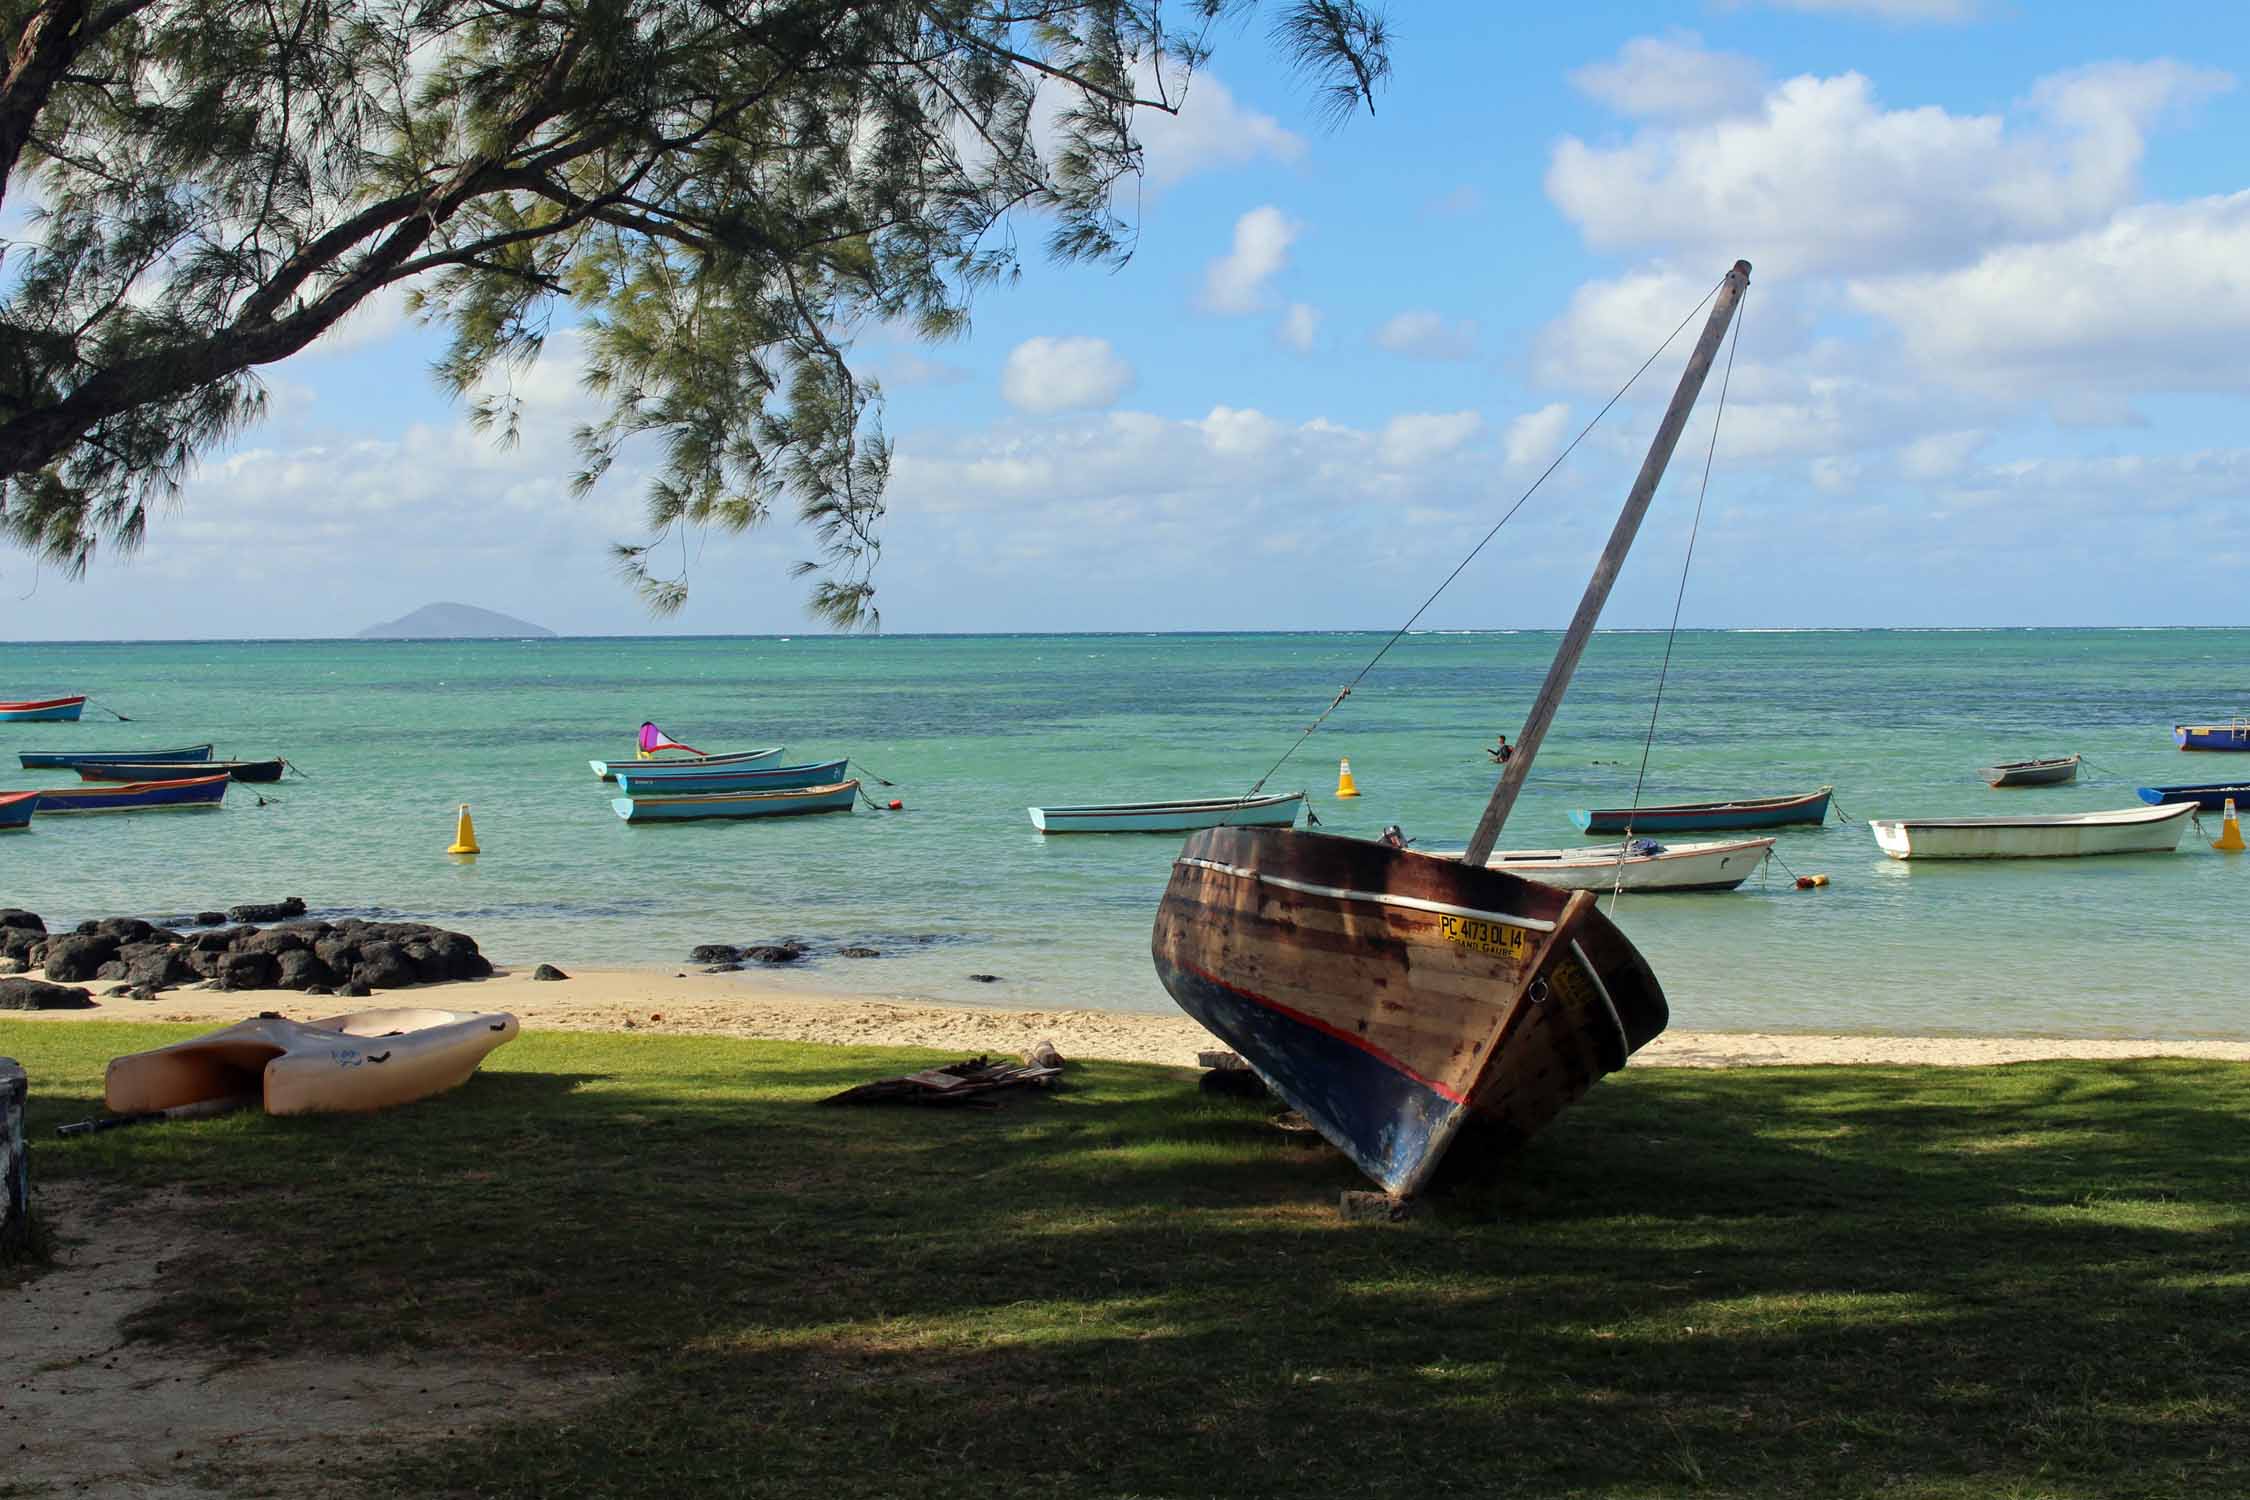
1508	859
779	794
2123	817
1740	804
1203	804
35	703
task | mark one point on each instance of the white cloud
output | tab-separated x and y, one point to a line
1415	438
1823	177
1299	326
1070	374
1533	439
1211	131
1885	10
2153	300
1235	282
1422	334
1940	455
1673	77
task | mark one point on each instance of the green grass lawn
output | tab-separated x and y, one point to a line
2022	1281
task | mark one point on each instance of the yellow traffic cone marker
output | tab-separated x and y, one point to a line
2229	840
1345	786
464	834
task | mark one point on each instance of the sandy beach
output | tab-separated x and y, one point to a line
667	1002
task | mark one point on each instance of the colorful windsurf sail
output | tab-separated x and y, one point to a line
654	739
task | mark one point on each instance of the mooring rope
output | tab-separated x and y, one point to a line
1695	527
1338	701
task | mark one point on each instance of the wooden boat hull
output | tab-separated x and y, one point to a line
1718	865
368	1060
674	809
1183	815
156	770
42	711
2210	796
635	783
1707	817
2052	772
2138	830
134	796
16	809
39	760
607	769
2231	736
1392	996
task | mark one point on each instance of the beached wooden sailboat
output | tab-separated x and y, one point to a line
1392	996
37	760
673	782
2132	830
674	809
134	796
1708	817
2211	796
2232	735
42	710
180	770
1713	865
1276	810
607	769
16	809
2053	771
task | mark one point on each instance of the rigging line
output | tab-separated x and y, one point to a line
1679	599
1338	700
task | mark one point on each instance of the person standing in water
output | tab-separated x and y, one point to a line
1502	751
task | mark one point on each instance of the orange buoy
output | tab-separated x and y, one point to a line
897	806
1807	882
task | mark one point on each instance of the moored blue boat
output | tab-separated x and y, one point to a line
134	796
673	783
42	710
35	760
1701	817
2211	795
16	809
607	769
2232	735
668	809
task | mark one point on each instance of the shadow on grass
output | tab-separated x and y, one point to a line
2013	1281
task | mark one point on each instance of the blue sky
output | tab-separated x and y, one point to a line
1991	371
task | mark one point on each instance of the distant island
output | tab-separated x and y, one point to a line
453	622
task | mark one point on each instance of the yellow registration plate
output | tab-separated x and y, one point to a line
1487	936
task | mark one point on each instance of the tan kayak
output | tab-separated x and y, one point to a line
370	1059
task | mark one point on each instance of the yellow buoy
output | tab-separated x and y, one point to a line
464	834
1345	786
2229	840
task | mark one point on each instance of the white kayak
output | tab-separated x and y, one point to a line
2132	830
370	1059
1715	865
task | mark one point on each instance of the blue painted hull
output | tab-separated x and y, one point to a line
2211	796
676	809
1707	817
608	770
16	809
778	779
139	796
2235	736
35	760
54	711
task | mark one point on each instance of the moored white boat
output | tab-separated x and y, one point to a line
2133	830
1277	810
1713	865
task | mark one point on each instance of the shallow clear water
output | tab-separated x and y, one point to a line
392	735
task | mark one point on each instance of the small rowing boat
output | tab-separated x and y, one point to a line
635	782
1642	865
2053	771
2132	830
1274	810
16	809
607	769
1708	817
39	760
670	809
42	710
2232	735
2210	796
134	796
181	770
370	1059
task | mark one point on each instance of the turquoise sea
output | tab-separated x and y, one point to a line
392	735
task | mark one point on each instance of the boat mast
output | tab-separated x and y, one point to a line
1605	572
